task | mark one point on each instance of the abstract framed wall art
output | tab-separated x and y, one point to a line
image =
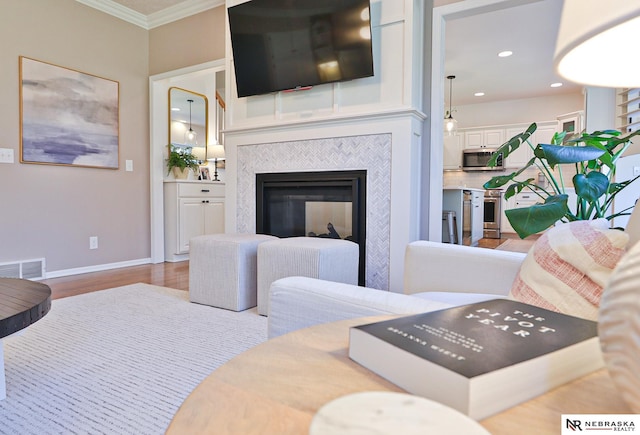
67	117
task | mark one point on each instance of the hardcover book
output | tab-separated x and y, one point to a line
481	358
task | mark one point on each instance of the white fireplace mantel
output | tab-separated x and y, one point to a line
388	147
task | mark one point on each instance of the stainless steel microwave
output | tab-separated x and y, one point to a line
477	159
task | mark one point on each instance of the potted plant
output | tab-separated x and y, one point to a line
181	160
592	161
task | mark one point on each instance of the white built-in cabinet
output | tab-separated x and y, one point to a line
493	137
543	134
484	138
191	208
452	153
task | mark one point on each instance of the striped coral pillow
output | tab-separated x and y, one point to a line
568	266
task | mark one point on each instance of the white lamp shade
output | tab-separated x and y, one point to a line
597	43
215	152
199	152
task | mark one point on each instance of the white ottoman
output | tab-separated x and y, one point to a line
222	270
313	257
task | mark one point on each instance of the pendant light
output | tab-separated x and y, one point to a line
190	137
450	124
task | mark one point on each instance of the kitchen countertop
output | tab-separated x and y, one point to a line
462	188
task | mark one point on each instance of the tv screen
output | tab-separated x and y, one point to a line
290	44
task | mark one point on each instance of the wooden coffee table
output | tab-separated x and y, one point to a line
278	386
22	303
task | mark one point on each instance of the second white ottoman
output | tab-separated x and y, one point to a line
222	270
313	257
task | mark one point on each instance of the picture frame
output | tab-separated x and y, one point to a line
205	174
67	117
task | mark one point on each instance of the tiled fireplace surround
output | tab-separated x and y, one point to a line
369	152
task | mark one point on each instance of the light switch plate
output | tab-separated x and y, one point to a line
6	155
128	165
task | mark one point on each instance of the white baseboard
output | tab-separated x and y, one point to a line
96	268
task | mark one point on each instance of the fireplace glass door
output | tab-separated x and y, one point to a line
313	204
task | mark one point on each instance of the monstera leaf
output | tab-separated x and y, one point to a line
530	220
591	186
560	154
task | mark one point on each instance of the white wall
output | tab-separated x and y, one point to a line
525	110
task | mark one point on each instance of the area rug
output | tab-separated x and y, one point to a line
117	361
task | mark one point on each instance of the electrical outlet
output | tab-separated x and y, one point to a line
6	155
636	171
93	242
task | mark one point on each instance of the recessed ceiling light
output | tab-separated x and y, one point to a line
479	94
556	85
175	109
505	53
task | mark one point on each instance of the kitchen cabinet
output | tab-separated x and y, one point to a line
544	134
468	206
452	151
485	138
191	208
524	153
477	216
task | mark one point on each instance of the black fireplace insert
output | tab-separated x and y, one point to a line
315	204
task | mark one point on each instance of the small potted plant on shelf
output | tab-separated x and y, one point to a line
181	161
592	161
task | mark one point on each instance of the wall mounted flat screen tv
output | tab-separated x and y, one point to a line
291	44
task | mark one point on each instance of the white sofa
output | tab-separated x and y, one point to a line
436	276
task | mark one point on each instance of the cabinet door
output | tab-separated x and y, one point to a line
493	138
214	217
473	139
523	154
505	225
477	220
191	222
452	152
544	135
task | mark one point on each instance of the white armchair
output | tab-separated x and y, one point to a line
436	276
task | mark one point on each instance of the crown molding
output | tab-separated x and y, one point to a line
117	10
173	13
181	10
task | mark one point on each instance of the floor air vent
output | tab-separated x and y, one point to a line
27	269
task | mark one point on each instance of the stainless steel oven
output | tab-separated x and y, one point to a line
492	213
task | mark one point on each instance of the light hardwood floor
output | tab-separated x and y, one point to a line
173	275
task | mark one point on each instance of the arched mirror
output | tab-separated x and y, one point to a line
188	120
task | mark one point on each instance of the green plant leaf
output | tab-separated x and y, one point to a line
558	154
512	144
499	181
530	220
591	186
